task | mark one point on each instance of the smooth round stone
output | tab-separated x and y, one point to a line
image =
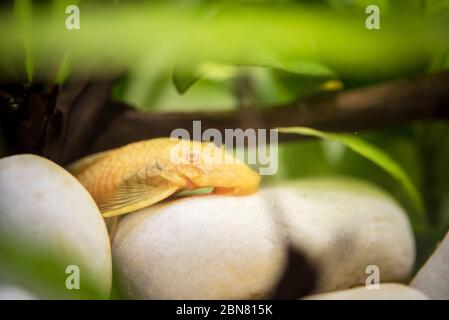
43	203
433	277
216	247
200	247
343	226
387	291
13	292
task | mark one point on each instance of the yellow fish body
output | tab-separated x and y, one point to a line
143	173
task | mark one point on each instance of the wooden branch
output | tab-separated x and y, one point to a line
57	122
373	107
82	106
69	122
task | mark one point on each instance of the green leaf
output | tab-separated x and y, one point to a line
64	69
23	11
247	52
372	153
185	77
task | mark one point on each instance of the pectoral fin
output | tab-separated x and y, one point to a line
134	196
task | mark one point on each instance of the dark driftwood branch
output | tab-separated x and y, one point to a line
67	123
367	108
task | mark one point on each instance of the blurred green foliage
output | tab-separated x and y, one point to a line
41	272
311	41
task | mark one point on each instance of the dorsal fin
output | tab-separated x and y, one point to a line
82	164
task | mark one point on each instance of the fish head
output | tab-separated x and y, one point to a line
204	164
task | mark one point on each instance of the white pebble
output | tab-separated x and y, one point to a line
42	202
202	247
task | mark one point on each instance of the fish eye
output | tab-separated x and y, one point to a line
192	156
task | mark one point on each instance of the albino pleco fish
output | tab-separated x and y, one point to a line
143	173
